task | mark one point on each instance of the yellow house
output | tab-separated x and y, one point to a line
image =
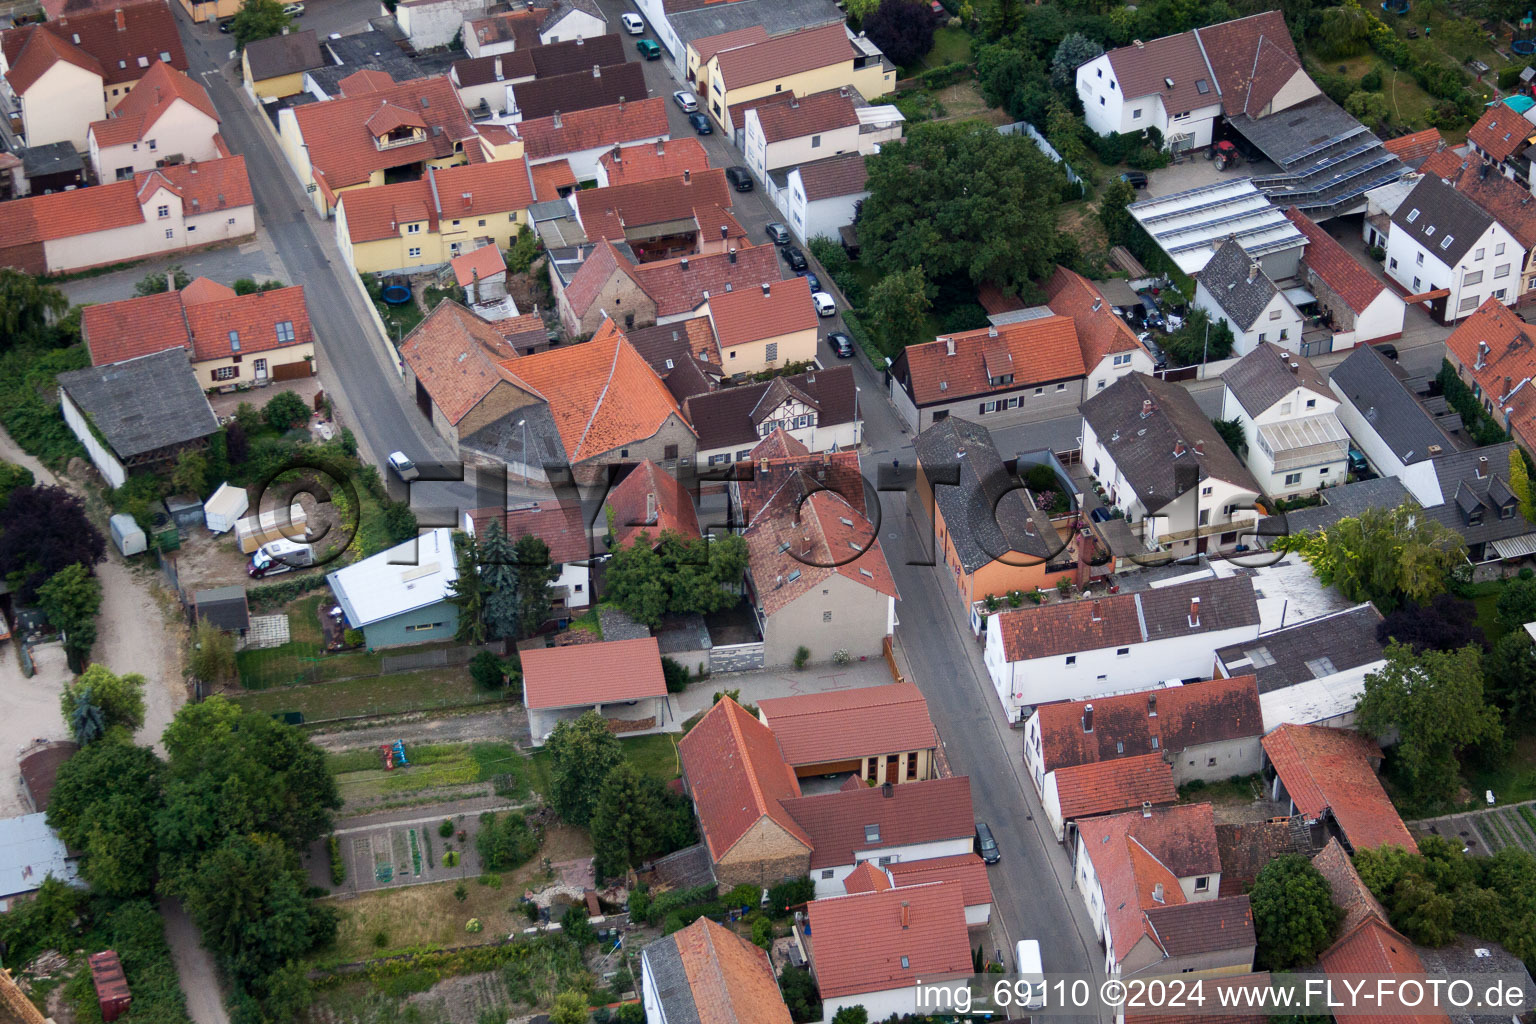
275	66
702	50
211	10
414	225
809	61
764	328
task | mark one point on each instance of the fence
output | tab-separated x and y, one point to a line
440	658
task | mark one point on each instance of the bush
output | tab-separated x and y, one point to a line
451	859
762	932
505	841
461	892
789	894
286	411
338	864
446	828
676	675
486	669
802	655
577	928
490	881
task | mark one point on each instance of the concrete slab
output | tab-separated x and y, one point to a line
755	686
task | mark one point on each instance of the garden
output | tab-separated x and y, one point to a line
1507	826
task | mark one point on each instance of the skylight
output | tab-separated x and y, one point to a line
1202	86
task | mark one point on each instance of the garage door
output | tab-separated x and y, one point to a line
292	371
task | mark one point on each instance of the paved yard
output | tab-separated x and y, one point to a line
224	265
787	682
266	631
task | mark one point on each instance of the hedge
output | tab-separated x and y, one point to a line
861	337
275	595
946	74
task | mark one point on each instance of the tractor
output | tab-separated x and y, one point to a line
1225	154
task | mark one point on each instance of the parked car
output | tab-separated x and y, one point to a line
778	233
794	257
986	846
649	49
824	304
1026	957
811	279
224	26
685	99
1151	316
1136	179
740	178
1390	351
279	556
403	466
841	344
633	23
294	10
700	123
1357	462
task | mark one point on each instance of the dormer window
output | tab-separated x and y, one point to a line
1507	512
871	833
234	341
413	229
1475	517
1006	378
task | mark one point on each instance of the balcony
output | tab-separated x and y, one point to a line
1309	441
1239	523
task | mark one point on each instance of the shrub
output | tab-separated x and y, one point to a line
488	672
352	637
577	928
446	828
461	892
451	859
381	938
490	881
762	932
802	655
676	675
338	864
505	841
286	411
744	895
790	893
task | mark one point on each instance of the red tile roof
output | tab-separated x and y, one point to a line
1340	271
1374	947
1050	629
341	146
159	90
201	289
1141	69
1118	785
707	46
1232	48
498	188
875	941
1501	198
738	111
113	43
1510	353
595	272
838	725
995	301
795	117
650	500
966	868
1273	69
626	165
677	288
1500	132
457	357
747	314
550	178
782	464
558	524
800	541
607	212
1100	333
866	877
1039	351
605	673
911	814
1350	893
199	320
834	176
1203	926
782	56
519	27
562	134
730	979
480	264
1413	149
736	777
1330	771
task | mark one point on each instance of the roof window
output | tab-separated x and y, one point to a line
234	341
1445	243
872	833
1413	215
1202	86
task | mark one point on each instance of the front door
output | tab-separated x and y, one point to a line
261	371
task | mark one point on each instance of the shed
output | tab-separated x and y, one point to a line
185	509
224	607
111	984
620	679
40	770
127	535
222	511
30	851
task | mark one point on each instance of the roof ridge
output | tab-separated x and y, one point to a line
598	405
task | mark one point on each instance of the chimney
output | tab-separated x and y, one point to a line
122	22
687	176
1178	448
597	72
1146	407
1253	269
949	346
887	790
557	119
1194	611
617	154
621	106
1098	613
650	507
1146	808
684	263
725	232
733	254
1088	718
1295	367
580	41
992	331
1199	447
765	289
170	275
1157	890
1029	526
498	68
794	102
1096	304
906	910
1482	466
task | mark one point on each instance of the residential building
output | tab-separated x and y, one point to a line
418	225
764	328
919	932
820	197
625	165
1329	777
1128	89
1244	848
683	354
681	287
879	733
232	339
789	130
1312	673
818	408
168	118
1110	348
592	87
1447	253
561	527
1414	148
485	82
400	596
1165	467
986	526
1503	200
158	212
209	10
64	74
1116	753
1494	353
685	27
1071	650
274	67
1295	442
376	132
806	61
650	501
139	414
433	23
1235	291
1359	307
779	461
662	218
499	34
708	974
1500	138
583	137
966	868
482	273
604	285
619	679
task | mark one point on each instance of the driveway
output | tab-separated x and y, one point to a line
225	265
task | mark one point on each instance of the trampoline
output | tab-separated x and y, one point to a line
1523	43
1396	6
395	293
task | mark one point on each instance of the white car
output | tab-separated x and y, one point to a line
633	24
824	304
686	100
294	10
401	464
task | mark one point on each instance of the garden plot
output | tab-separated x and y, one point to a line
408	853
1506	826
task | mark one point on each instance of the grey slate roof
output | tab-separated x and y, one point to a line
1143	447
672	989
776	16
1265	376
1434	212
987	514
276	56
1346	639
143	404
52	158
580	90
1343	502
224	607
1240	288
1467	493
1373	385
731	416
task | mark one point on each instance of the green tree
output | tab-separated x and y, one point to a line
634	580
1509	675
1520	483
570	1008
1002	18
1064	130
582	753
119	699
1231	432
27	308
191	473
249	286
636	818
1073	52
1201	338
851	1015
536	575
860	9
11	477
212	658
486	669
498	573
258	19
104	805
897	308
1369	107
1294	918
505	841
285	410
1434	700
468	593
1118	223
1384	556
161	280
1517	603
71	598
524	250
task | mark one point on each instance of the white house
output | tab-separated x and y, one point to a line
820	409
1395	432
1234	290
570	19
400	596
561	528
621	680
1296	443
820	197
166	118
432	23
799	129
1072	650
1163	465
1450	254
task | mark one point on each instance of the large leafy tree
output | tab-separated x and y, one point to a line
1435	702
1517	604
118	701
582	754
104	805
1119	225
903	29
898	307
536	575
1384	556
161	280
27	309
636	818
958	199
1509	675
71	598
675	574
1294	918
1442	625
42	530
258	19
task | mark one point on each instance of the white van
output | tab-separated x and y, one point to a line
277	556
1026	955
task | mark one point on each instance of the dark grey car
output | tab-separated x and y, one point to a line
986	846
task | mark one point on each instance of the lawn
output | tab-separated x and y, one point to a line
432	689
1513	781
654	755
950	46
1406	101
302	658
360	774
